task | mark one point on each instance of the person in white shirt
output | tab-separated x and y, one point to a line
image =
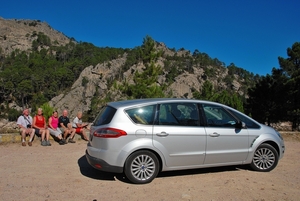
25	124
79	126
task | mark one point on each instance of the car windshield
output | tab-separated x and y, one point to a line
105	116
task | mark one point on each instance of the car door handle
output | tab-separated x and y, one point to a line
214	134
162	134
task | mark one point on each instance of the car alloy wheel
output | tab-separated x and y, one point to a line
265	158
141	167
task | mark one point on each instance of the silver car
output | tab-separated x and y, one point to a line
145	136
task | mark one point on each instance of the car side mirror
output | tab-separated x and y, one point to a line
240	125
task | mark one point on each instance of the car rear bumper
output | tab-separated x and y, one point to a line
102	165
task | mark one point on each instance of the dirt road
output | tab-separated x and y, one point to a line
62	173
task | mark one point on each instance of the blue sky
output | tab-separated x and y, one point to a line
250	34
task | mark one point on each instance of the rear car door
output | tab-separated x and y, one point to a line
178	135
225	143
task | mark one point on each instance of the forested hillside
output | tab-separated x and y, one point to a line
276	97
32	77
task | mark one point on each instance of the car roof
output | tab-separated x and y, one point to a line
136	102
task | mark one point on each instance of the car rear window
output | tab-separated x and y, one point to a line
105	115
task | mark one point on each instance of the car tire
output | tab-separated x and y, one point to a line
141	167
265	158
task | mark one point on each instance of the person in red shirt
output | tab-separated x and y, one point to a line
40	126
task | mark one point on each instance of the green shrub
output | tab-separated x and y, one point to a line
13	114
47	110
84	81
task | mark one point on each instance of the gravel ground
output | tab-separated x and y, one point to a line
62	173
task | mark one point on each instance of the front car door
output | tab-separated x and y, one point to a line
226	144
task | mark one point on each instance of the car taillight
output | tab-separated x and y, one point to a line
109	133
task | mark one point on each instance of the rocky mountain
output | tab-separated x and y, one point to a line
190	77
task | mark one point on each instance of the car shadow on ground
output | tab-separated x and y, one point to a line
210	170
87	170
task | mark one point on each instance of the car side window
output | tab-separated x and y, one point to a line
217	116
178	114
249	123
142	115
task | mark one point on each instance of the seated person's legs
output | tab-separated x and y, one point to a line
47	135
31	134
23	136
72	134
58	134
42	132
64	132
84	135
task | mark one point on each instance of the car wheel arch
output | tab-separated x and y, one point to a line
274	145
255	146
265	139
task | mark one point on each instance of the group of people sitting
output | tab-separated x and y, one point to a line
59	127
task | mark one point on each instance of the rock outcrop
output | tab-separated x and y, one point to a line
97	78
81	93
19	34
